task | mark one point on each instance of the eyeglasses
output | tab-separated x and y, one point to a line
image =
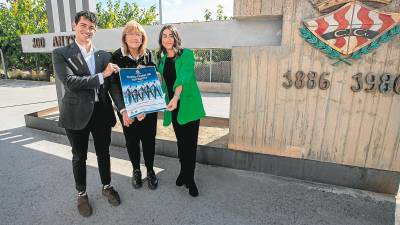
137	35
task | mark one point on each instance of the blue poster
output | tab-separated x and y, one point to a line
141	90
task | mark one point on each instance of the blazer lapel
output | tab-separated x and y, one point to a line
79	57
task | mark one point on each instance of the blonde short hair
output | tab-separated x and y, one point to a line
133	26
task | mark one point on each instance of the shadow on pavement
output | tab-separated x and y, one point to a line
37	188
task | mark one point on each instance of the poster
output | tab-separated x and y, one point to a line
141	90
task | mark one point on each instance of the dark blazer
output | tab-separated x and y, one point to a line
123	61
78	102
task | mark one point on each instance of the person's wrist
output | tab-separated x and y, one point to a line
177	96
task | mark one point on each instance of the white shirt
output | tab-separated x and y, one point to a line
91	63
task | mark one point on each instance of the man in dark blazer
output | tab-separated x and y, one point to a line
86	106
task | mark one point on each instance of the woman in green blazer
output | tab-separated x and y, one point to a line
184	104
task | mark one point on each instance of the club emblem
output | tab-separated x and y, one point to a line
351	31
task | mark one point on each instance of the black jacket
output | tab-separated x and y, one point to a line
124	61
78	102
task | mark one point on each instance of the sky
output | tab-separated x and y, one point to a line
175	11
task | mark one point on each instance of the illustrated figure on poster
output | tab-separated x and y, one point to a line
128	95
135	94
156	89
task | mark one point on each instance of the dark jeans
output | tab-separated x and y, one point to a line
187	136
79	141
141	132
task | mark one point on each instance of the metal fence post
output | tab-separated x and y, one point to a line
210	64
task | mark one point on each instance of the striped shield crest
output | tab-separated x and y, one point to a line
352	27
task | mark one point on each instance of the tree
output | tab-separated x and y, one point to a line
220	14
20	18
113	16
207	15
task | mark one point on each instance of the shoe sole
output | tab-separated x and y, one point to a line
152	187
112	202
137	186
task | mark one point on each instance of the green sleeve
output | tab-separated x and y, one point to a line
186	72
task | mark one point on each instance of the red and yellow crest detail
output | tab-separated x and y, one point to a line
352	27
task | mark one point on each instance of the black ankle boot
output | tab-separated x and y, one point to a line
180	180
152	180
137	179
193	191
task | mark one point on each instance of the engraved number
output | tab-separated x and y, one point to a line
299	83
358	79
289	81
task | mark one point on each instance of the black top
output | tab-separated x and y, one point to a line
170	75
124	61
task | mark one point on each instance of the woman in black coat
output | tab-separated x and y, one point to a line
133	54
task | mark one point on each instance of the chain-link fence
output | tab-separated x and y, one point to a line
213	65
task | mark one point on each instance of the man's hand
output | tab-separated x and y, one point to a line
141	116
127	121
110	69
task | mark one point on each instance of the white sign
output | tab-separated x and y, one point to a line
214	34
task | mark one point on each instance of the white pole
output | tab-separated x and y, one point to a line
160	10
2	62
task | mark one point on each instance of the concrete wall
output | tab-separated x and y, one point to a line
335	125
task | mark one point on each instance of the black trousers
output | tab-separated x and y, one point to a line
79	140
141	132
187	136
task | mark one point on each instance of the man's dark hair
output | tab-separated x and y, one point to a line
87	15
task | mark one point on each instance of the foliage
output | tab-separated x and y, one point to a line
22	17
207	15
220	14
114	16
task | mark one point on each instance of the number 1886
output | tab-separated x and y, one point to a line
311	80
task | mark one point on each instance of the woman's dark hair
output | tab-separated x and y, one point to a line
87	15
177	42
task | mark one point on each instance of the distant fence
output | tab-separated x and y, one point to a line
213	65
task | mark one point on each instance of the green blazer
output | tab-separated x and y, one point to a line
190	104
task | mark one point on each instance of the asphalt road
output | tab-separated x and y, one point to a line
36	184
